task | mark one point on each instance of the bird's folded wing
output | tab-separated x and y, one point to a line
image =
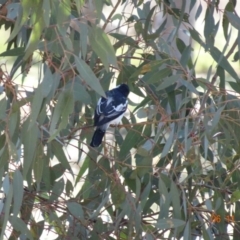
110	110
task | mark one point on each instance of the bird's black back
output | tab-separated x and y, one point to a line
111	107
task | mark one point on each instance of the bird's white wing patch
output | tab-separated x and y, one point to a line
109	100
121	107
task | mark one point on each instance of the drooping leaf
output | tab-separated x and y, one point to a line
132	139
38	26
169	223
17	192
57	190
233	19
39	163
102	46
123	39
29	140
7	206
59	153
216	54
20	225
13	52
41	92
75	209
87	75
61	113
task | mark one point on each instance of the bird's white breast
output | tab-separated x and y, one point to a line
117	120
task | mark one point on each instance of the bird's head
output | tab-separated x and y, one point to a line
124	89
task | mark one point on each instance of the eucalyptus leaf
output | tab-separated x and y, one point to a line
18	192
87	75
169	223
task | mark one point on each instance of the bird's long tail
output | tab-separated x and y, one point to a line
97	138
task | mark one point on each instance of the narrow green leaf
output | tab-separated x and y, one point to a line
189	86
87	75
61	113
147	23
179	13
12	150
17	63
221	74
138	26
145	194
234	20
132	139
143	103
83	169
39	162
158	32
79	91
180	45
76	210
187	231
23	14
207	234
235	86
41	92
60	155
217	116
6	184
118	194
199	11
14	121
102	46
35	108
57	190
158	76
164	200
235	196
17	192
7	206
104	200
144	165
29	140
99	8
169	223
175	196
196	36
168	81
19	225
13	52
149	236
186	54
217	55
46	8
83	38
225	23
236	57
63	12
209	26
79	4
56	223
3	106
123	39
169	142
126	72
36	31
4	156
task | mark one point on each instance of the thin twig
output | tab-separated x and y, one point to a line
110	15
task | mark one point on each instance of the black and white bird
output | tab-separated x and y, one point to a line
108	111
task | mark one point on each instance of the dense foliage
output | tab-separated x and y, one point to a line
170	170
